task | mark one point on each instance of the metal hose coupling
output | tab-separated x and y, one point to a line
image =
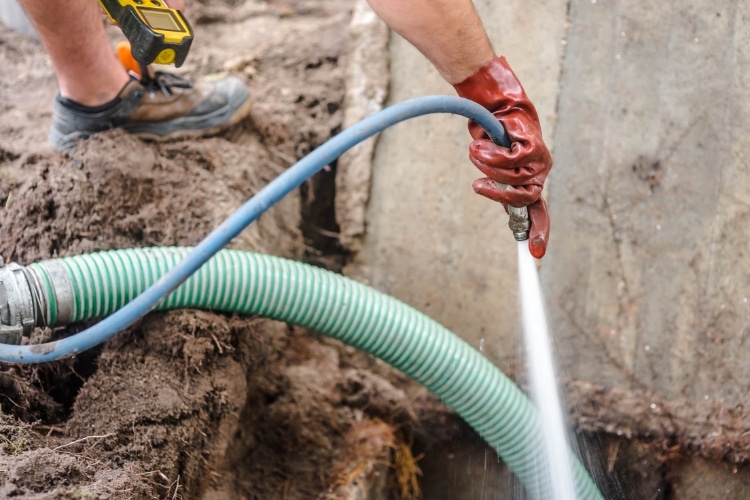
24	304
17	308
519	222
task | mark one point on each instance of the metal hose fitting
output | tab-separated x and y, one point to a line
25	303
17	308
519	222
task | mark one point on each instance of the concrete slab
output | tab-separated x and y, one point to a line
367	78
648	273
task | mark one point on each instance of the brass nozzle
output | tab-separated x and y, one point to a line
519	222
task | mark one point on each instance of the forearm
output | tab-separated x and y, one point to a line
448	32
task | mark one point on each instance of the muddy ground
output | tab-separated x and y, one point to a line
192	404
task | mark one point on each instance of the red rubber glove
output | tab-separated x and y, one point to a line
515	176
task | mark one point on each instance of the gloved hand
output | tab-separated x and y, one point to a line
520	170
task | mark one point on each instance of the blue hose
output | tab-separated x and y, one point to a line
247	214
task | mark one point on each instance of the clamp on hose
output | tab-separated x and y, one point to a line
25	303
17	304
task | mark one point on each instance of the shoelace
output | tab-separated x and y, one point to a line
163	82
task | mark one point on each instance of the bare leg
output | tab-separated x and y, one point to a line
73	34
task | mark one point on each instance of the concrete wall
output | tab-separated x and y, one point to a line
648	277
649	268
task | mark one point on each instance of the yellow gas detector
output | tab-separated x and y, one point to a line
157	33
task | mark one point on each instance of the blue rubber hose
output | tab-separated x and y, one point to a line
248	213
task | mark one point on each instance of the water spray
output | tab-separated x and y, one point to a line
540	362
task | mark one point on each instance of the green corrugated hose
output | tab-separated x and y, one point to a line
289	291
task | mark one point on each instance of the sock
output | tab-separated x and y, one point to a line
81	108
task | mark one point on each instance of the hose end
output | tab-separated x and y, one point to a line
17	307
519	222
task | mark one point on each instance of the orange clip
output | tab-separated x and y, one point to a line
125	55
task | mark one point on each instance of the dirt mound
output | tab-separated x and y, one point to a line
208	406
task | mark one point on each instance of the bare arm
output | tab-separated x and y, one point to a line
448	32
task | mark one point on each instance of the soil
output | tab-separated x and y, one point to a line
192	404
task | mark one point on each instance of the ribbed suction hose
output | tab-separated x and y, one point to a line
85	287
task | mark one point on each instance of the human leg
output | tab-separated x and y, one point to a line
73	35
97	94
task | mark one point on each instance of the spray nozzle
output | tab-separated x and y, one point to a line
519	222
519	216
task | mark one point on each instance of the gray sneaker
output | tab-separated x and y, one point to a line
163	107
